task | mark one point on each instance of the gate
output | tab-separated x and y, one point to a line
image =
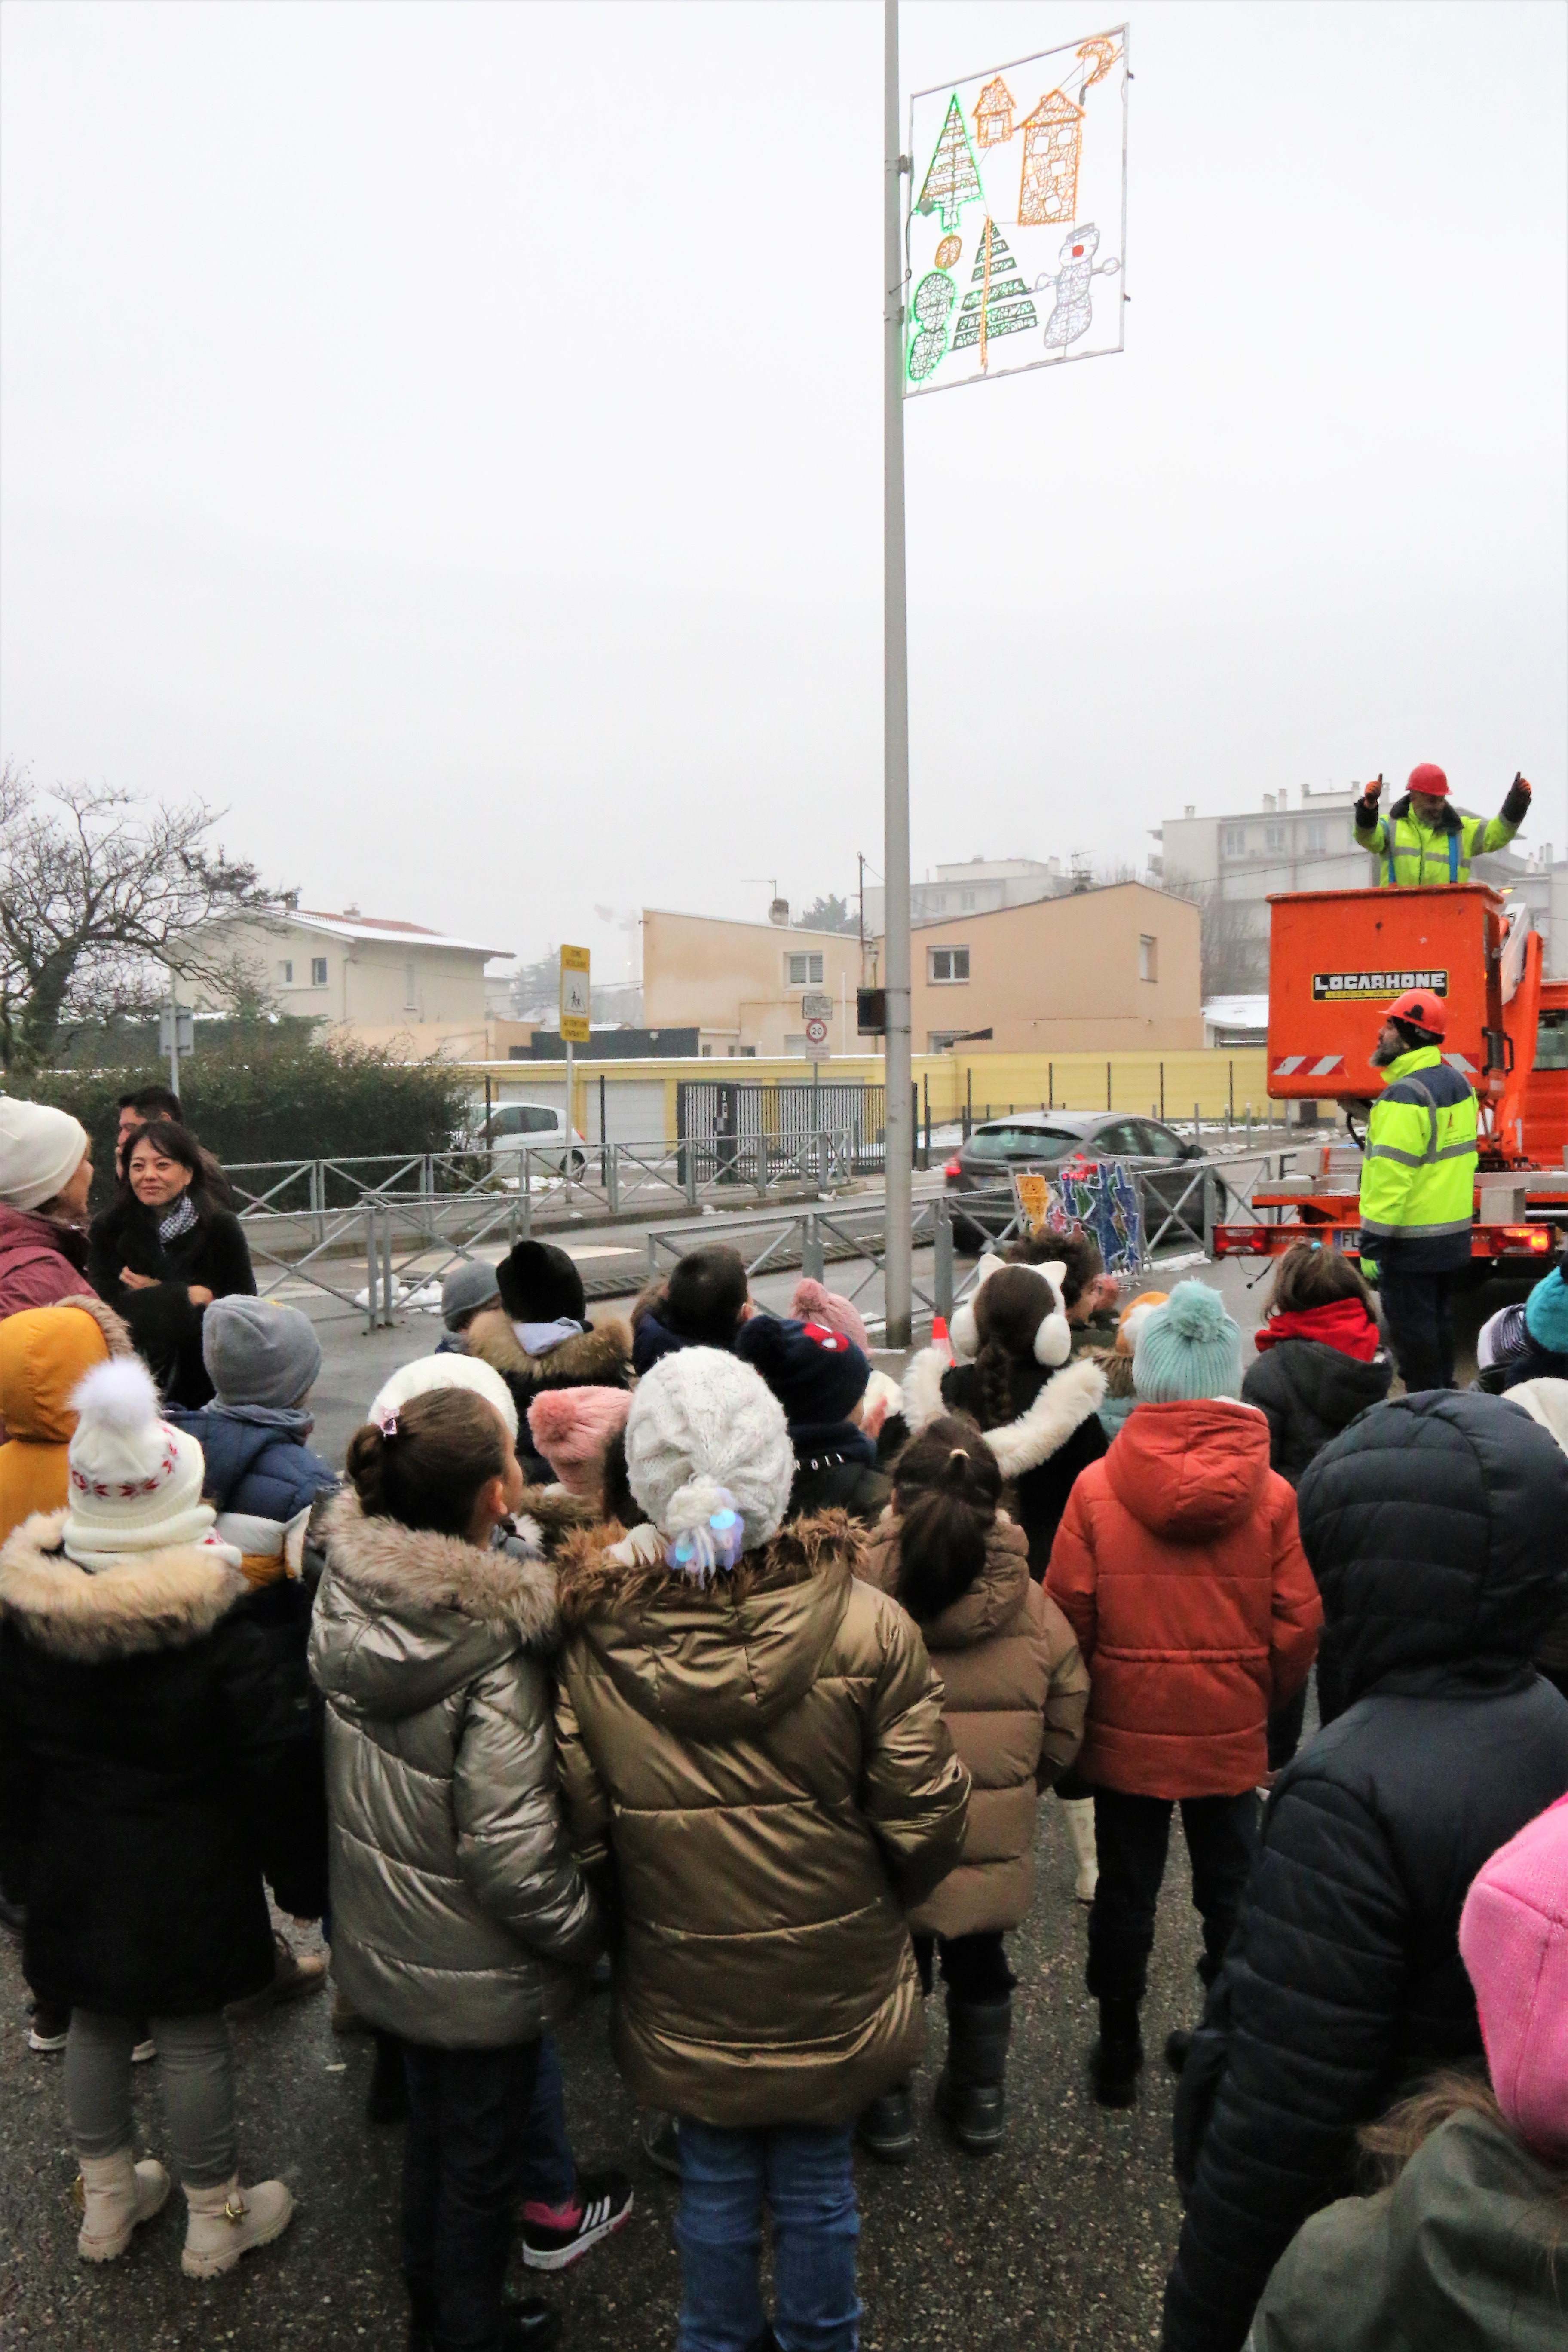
716	1119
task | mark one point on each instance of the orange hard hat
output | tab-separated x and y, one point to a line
1428	778
1422	1010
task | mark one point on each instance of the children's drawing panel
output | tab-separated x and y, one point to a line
1017	233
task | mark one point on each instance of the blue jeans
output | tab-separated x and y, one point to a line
550	2175
463	2161
807	2179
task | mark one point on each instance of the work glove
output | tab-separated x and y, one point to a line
1516	806
1366	807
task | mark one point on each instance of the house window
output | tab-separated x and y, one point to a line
1148	958
947	964
1275	836
1233	841
802	971
966	901
318	972
1316	833
410	999
286	973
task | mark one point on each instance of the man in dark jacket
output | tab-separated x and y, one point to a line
1437	1529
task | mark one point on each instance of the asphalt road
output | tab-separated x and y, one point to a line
1061	2240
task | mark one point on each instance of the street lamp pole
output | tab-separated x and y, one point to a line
900	1116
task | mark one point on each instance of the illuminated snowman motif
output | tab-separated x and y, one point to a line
1074	313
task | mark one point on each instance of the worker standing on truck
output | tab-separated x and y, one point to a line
1423	841
1417	1186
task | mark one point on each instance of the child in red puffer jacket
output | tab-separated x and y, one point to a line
1179	1567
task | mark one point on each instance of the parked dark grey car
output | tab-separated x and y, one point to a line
1044	1138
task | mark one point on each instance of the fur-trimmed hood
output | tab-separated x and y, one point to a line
149	1601
1063	1404
597	1358
1450	820
404	1616
719	1658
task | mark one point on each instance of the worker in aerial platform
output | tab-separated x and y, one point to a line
1417	1186
1423	840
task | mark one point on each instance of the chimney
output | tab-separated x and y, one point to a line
778	912
1282	795
1190	809
1268	803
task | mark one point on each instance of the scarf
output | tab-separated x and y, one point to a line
178	1220
1343	1324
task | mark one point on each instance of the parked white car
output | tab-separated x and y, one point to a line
514	1128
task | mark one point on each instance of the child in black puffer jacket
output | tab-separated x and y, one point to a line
1320	1356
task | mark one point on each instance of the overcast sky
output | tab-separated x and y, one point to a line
448	437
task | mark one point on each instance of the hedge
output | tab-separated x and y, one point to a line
275	1093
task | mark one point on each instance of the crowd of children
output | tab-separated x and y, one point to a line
698	1653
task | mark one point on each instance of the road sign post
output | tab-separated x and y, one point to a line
576	1002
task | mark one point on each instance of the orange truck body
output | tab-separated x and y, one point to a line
1337	960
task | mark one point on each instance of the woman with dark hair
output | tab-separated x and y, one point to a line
163	1251
1015	1690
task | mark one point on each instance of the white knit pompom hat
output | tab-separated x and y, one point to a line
427	1373
135	1483
705	1429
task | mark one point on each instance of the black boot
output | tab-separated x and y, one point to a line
886	2127
1116	2058
969	2092
1178	2045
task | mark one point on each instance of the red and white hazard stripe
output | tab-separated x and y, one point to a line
1326	1065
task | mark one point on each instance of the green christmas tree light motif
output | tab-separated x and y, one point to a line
998	300
952	180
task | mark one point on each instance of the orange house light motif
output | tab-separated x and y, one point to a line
1053	143
994	114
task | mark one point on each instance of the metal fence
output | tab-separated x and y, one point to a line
408	1217
728	1117
1173	1222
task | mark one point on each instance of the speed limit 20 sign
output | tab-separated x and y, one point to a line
816	1031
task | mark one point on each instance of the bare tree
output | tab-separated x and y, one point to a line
1233	949
94	895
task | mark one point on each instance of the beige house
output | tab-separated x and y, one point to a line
749	988
386	982
1109	970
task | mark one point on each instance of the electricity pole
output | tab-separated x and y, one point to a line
899	1121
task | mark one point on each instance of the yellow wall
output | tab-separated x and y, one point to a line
1000	1081
1063	974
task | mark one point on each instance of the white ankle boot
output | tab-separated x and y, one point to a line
227	2221
116	2196
1079	1814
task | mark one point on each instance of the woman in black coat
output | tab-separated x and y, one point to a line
1434	1527
163	1251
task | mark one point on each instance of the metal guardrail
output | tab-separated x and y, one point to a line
397	1236
588	1177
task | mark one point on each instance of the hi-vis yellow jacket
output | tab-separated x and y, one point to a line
1419	1174
1411	858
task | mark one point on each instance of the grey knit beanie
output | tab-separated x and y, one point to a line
470	1284
257	1354
701	1423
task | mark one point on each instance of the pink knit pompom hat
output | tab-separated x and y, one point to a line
812	1304
573	1429
1514	1936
